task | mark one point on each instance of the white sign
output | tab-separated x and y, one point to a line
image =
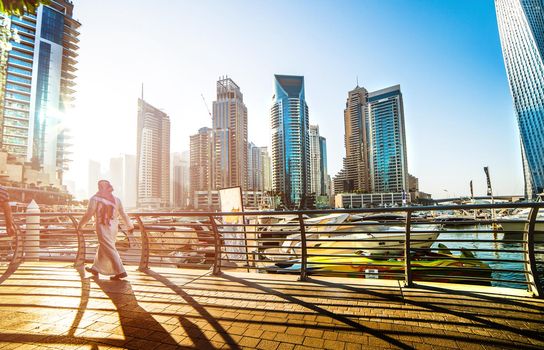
231	202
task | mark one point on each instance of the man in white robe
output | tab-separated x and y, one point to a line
106	208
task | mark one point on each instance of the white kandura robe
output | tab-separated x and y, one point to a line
107	260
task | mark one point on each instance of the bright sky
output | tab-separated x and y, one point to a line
445	55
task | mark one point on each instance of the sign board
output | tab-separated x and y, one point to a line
231	202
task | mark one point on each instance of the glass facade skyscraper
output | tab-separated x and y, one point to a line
290	139
323	166
39	87
521	29
387	141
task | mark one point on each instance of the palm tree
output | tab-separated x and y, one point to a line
20	7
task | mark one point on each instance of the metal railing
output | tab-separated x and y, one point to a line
471	244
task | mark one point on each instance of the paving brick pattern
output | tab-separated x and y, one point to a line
51	305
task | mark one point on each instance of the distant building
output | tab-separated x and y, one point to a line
200	169
94	175
229	136
369	200
413	183
267	169
25	184
209	200
315	160
318	162
521	29
180	180
258	168
39	87
355	174
375	141
325	178
290	140
121	175
387	141
153	157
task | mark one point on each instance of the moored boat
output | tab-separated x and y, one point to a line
425	266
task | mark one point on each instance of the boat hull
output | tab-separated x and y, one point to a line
513	229
434	267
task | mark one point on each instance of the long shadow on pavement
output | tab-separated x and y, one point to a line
137	324
199	308
482	320
320	311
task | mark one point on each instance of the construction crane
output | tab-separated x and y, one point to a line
205	104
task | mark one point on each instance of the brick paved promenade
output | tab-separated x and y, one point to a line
51	306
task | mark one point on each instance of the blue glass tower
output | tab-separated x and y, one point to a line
387	141
323	165
290	139
521	29
39	87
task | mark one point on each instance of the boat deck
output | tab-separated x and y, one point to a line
52	305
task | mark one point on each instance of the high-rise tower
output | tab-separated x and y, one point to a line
200	169
180	179
318	162
324	181
387	141
355	175
229	136
258	168
521	29
39	86
153	157
290	139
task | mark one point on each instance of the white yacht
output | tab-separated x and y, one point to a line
518	222
347	234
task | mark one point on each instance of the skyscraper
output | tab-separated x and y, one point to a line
387	141
258	168
229	136
521	29
324	182
39	87
153	157
200	161
318	162
290	139
355	175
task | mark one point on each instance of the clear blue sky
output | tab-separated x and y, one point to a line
445	54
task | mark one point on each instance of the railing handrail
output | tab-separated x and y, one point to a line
519	205
212	225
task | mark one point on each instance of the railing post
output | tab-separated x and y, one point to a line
216	271
144	257
304	251
81	249
32	234
531	273
407	257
